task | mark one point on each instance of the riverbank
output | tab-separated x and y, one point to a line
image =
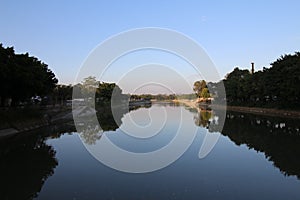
253	110
15	121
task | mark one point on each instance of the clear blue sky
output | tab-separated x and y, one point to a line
233	33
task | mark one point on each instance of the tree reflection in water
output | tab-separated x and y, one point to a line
91	132
206	118
277	138
203	117
24	167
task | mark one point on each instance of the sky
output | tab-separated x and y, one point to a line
233	33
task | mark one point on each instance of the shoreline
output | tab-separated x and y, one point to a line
252	110
45	117
65	115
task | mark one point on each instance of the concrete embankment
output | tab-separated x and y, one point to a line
47	118
266	111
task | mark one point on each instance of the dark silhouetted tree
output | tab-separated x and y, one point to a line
23	76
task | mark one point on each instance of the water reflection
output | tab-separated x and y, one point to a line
207	118
203	117
277	138
90	131
25	166
27	161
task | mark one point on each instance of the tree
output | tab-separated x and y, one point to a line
199	86
236	85
23	76
285	77
106	90
62	93
89	86
277	86
205	93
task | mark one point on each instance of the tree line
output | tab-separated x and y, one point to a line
25	80
277	86
23	77
274	87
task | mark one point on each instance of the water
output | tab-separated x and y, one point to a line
256	157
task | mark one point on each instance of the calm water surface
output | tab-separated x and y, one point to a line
256	157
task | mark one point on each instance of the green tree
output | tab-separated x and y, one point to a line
283	80
199	86
205	93
23	76
277	86
105	91
236	85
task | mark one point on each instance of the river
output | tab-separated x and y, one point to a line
255	157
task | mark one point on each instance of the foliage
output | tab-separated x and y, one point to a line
106	90
202	118
277	86
101	92
205	93
23	76
199	86
201	89
236	84
61	93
